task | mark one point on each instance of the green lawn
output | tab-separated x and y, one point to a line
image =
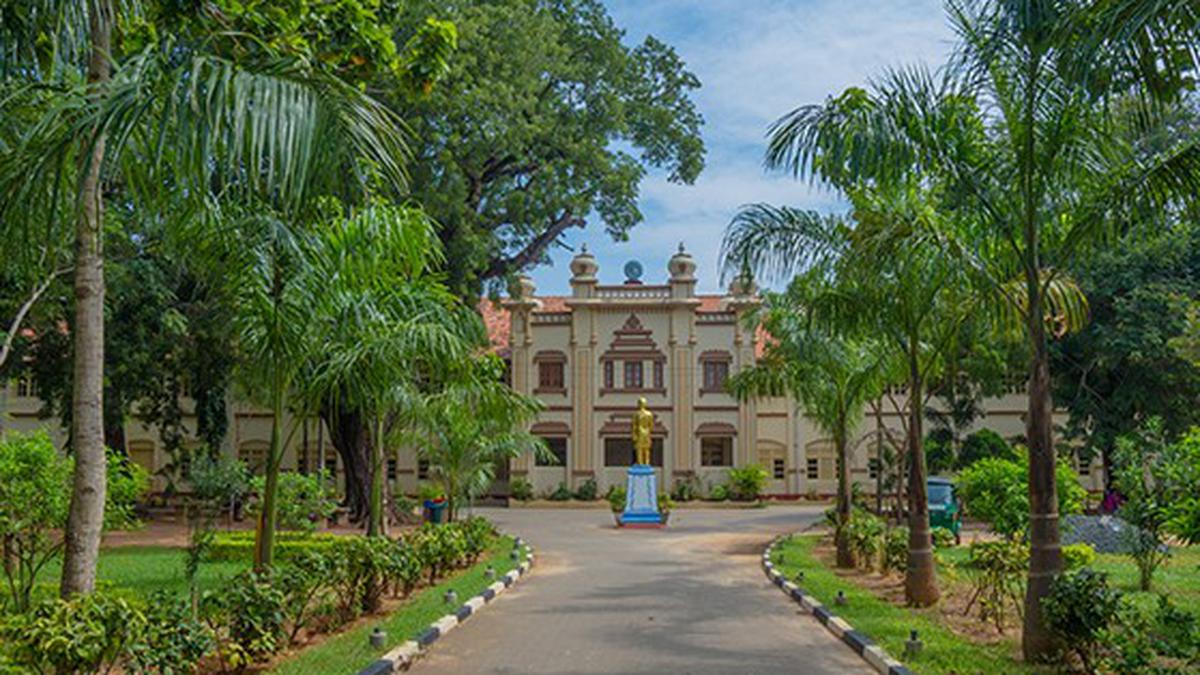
146	569
889	625
351	651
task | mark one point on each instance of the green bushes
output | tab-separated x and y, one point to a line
560	494
1079	607
239	545
996	491
997	570
1078	556
246	620
718	492
985	444
521	490
895	550
865	533
616	499
304	500
746	483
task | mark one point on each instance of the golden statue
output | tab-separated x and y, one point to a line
643	425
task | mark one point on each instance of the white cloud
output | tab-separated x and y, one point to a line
756	59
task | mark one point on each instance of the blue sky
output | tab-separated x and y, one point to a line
756	60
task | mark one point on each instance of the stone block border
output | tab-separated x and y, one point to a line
400	658
859	642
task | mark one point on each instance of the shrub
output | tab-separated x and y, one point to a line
360	564
616	499
587	491
85	634
864	533
939	451
1078	556
35	494
746	483
173	640
1078	609
303	500
239	545
304	582
718	492
247	617
559	494
521	490
984	444
478	534
895	549
686	489
997	491
942	537
430	492
664	503
997	575
128	482
403	569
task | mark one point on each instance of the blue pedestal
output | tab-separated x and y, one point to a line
641	497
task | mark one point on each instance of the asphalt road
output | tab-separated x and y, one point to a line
688	599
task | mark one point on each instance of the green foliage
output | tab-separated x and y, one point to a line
521	489
238	545
864	533
983	444
305	500
718	492
428	492
127	483
1143	464
1078	556
496	172
616	499
35	489
997	570
895	550
746	483
996	491
665	504
361	564
942	537
1078	609
587	490
560	493
247	618
218	481
939	452
173	641
686	489
85	634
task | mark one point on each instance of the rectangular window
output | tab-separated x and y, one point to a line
619	452
26	387
550	375
873	467
715	374
608	375
778	468
633	375
558	448
658	375
812	468
1084	469
716	451
422	469
391	469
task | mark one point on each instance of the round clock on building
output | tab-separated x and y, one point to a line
633	272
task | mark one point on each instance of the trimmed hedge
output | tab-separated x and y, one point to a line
238	546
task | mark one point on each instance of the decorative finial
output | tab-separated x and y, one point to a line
681	249
583	247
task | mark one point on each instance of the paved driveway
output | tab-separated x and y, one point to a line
688	599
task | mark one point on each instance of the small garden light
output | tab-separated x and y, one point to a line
451	597
489	573
840	600
799	578
913	645
378	638
516	554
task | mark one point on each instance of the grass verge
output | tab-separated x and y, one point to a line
350	651
146	569
888	625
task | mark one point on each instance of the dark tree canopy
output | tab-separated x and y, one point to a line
1123	368
545	121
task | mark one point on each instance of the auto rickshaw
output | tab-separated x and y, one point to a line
945	510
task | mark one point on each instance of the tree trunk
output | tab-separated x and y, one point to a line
1045	559
845	556
375	511
86	518
264	545
349	437
920	578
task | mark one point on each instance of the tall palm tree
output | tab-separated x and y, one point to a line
832	377
392	326
170	118
1016	132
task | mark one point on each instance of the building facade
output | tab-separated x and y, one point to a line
589	357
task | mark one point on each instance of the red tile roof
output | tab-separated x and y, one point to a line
499	325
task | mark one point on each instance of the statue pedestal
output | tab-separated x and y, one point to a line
641	497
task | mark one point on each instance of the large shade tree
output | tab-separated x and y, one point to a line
162	100
547	121
1019	130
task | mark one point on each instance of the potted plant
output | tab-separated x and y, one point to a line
616	501
664	506
434	500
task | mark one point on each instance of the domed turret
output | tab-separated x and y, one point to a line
682	266
584	266
525	288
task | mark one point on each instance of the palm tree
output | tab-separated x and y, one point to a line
170	119
907	292
391	324
1017	134
469	426
832	377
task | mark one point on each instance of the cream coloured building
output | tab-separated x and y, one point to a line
589	357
